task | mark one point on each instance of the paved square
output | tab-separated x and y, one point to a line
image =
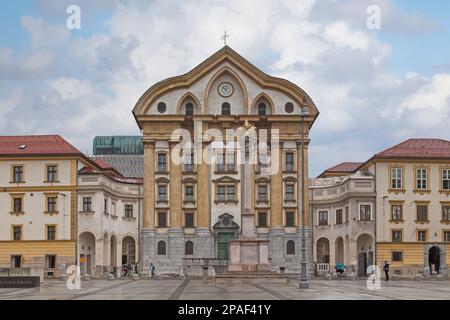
199	289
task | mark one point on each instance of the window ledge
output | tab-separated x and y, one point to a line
17	182
422	222
56	181
421	191
17	213
189	201
129	218
262	201
396	190
114	217
51	213
444	191
289	171
445	222
161	172
225	172
88	213
323	225
106	213
225	201
362	221
396	221
290	201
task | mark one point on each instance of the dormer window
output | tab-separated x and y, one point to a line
226	108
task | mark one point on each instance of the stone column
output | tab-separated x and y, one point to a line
332	254
276	196
118	258
149	185
106	255
353	254
203	193
443	268
99	257
175	193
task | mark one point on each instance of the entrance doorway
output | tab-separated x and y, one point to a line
434	259
223	241
362	264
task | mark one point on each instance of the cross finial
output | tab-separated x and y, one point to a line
224	38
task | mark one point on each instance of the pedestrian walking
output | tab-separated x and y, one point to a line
386	270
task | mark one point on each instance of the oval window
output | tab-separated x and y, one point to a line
289	107
161	107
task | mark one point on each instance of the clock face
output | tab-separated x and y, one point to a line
225	89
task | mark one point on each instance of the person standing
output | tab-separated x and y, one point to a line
386	270
151	270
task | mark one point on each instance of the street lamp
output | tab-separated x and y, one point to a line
304	284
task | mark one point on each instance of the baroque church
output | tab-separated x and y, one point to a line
194	196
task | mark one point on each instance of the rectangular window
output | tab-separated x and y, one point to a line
290	219
364	212
17	205
221	162
230	162
129	211
347	214
189	193
422	213
290	193
189	162
446	213
262	219
397	236
396	212
16	261
421	236
339	216
18	174
105	205
421	179
52	173
230	193
323	218
262	193
221	193
396	178
52	204
446	179
162	193
162	219
51	232
162	162
447	236
17	233
289	161
397	256
50	261
189	220
87	204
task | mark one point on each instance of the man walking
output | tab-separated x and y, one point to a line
386	270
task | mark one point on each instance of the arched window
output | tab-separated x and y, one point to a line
226	108
161	248
262	110
189	248
290	247
189	109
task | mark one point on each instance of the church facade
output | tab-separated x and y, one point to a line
196	186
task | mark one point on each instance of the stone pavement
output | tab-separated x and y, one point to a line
199	289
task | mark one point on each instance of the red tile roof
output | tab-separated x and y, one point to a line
418	148
103	164
345	167
36	145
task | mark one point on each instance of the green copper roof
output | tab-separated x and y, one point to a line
118	145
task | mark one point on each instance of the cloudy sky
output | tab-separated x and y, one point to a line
374	88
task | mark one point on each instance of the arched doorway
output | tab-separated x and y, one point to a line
323	255
128	250
339	254
224	231
364	245
87	253
434	259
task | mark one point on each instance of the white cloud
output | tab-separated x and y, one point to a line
71	88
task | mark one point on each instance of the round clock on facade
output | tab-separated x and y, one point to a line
225	89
